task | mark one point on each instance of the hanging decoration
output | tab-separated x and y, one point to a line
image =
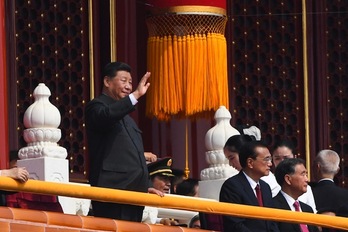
187	58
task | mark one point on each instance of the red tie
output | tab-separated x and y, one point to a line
258	194
297	208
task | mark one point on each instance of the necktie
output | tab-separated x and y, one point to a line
297	208
258	194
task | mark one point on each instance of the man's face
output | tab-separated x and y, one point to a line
233	159
299	180
161	183
119	86
261	165
280	154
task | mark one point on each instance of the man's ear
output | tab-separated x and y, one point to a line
338	169
287	179
250	163
106	81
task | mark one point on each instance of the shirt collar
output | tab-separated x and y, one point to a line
289	200
326	179
251	181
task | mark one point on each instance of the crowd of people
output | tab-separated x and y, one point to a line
118	161
293	191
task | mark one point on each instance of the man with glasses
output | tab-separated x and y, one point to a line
247	188
231	151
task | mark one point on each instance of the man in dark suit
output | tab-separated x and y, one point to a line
256	161
114	141
291	175
327	195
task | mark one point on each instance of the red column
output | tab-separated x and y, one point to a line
4	143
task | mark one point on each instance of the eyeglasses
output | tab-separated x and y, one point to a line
267	159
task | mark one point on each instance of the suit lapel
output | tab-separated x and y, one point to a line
305	208
247	189
250	194
265	195
131	128
282	201
284	205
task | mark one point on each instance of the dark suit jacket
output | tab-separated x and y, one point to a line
328	196
115	145
281	203
238	190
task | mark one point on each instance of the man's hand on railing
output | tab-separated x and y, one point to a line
168	222
155	191
20	174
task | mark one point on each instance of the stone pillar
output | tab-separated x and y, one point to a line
219	169
43	157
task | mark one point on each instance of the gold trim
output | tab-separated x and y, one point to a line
305	87
187	169
113	42
91	58
165	172
190	9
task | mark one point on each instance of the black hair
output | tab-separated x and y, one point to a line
286	167
248	151
193	220
179	176
187	187
235	142
110	70
284	143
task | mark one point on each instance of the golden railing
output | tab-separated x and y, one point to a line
172	201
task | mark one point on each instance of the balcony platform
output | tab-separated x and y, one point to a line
15	219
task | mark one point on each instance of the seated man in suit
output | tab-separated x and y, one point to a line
247	188
231	150
291	175
285	149
328	196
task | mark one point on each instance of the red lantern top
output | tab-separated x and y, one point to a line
181	6
171	3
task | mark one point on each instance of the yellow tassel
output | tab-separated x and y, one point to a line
164	77
176	76
188	75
